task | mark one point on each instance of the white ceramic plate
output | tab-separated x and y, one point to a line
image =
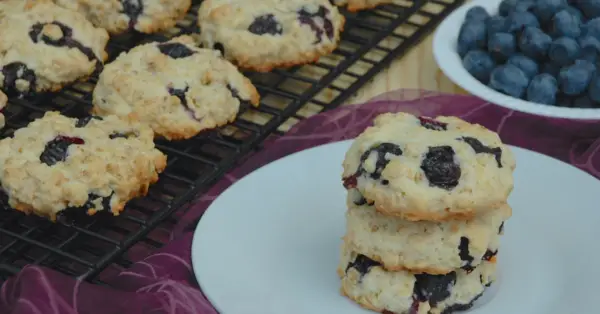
270	243
447	58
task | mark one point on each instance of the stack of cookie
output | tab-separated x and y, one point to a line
427	201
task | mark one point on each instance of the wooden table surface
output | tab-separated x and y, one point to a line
417	69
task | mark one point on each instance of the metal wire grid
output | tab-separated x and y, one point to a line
97	247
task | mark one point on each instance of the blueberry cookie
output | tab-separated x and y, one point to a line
119	16
358	5
175	87
270	33
91	164
421	168
402	292
422	246
45	47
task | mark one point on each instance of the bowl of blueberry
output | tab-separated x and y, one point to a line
536	56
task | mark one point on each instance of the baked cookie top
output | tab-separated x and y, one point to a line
357	5
94	164
118	16
270	33
421	168
403	292
8	7
175	87
422	246
44	47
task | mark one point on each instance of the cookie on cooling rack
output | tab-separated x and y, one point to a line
175	87
402	292
91	164
422	246
271	33
358	5
119	16
45	47
429	169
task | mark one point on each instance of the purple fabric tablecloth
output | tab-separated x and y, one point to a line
163	281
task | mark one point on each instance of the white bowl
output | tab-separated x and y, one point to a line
447	58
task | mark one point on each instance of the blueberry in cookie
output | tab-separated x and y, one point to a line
3	102
403	292
57	163
421	246
175	87
45	47
119	16
271	33
429	169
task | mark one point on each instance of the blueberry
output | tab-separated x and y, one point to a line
319	22
175	50
576	13
534	43
433	288
517	21
502	45
464	254
133	9
362	264
489	255
591	28
479	148
265	24
551	68
584	101
526	64
509	80
574	79
564	50
545	9
472	35
565	24
480	64
590	48
509	6
432	124
15	72
382	152
477	13
594	89
496	24
542	89
36	34
591	8
440	167
56	150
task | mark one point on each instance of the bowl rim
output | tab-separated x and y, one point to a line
448	60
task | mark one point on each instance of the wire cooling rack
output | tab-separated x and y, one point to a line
97	247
